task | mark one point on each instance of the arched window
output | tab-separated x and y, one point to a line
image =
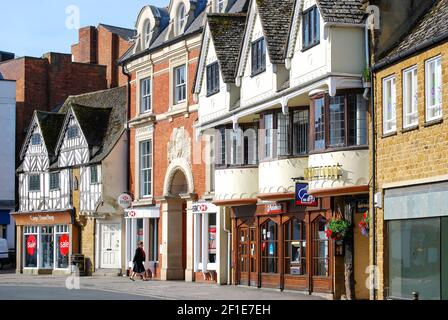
269	251
320	248
147	34
181	19
295	247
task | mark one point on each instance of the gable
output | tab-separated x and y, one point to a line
67	143
27	147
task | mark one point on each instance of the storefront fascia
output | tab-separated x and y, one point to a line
142	224
45	242
206	226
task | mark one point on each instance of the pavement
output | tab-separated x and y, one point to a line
46	287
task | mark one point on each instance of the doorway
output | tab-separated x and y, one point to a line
110	234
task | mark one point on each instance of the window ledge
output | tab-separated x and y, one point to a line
390	134
256	73
352	148
411	128
433	122
249	166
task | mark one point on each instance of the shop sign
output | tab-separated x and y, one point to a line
31	244
273	208
303	198
64	245
148	212
124	200
52	218
325	172
204	207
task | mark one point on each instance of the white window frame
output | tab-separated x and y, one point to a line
220	6
181	19
410	108
58	230
147	34
142	195
437	107
146	96
201	242
31	230
389	120
179	85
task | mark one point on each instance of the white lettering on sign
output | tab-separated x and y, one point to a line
42	218
274	208
203	207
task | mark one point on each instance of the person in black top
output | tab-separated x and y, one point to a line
138	260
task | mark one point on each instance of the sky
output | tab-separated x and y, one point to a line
35	27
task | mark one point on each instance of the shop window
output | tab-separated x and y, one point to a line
410	98
339	121
243	249
311	28
54	181
389	106
46	247
36	139
295	247
205	235
180	87
212	78
269	252
211	238
258	56
62	246
252	253
433	88
153	240
139	233
145	168
145	95
320	248
34	182
30	246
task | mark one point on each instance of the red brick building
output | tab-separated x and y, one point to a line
104	45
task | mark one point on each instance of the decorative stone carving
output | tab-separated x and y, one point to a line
179	146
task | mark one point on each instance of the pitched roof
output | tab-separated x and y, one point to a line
431	27
124	33
276	19
50	124
239	6
227	32
341	11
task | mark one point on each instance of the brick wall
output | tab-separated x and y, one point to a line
409	155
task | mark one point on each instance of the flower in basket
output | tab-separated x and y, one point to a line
337	229
364	225
328	233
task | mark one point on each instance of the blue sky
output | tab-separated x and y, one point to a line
34	27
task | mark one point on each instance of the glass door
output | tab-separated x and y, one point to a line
243	255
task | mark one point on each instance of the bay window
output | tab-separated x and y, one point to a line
433	88
339	121
389	106
410	98
237	148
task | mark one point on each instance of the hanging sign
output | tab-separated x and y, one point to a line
31	244
204	207
303	198
124	200
64	245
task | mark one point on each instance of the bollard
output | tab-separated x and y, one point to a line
415	295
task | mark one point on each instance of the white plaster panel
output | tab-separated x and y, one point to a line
236	183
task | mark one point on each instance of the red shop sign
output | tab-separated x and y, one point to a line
64	245
31	244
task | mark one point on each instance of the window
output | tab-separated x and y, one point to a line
268	127
269	254
300	128
320	250
36	139
54	180
145	168
180	88
389	105
147	34
258	56
212	78
62	246
30	236
46	247
94	175
295	247
220	5
153	240
34	182
311	27
282	134
433	88
181	19
145	93
410	98
72	132
343	123
237	148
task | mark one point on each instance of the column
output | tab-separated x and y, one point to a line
189	272
19	248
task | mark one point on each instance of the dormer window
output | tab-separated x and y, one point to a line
36	139
219	5
72	132
147	34
258	56
212	78
181	19
311	28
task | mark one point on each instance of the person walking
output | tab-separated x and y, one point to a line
138	260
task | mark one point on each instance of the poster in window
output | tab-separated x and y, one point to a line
271	249
64	245
212	239
31	244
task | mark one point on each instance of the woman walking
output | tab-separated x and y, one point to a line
138	260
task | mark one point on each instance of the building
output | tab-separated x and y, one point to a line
170	184
7	160
410	158
104	45
289	112
73	169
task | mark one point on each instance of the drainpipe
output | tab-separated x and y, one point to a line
366	40
229	247
128	156
373	209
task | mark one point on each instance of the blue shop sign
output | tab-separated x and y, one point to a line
303	198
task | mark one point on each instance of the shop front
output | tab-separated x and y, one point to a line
45	242
206	222
142	224
416	219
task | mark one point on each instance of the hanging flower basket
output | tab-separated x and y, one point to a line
337	229
364	224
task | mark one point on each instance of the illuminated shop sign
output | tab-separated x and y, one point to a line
326	172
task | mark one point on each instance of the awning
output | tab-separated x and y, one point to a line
143	212
4	216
